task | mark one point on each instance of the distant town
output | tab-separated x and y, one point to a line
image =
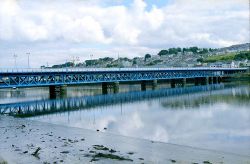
230	57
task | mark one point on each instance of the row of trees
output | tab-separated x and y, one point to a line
194	50
242	55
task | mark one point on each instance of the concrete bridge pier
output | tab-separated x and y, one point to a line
104	88
143	85
172	83
154	84
196	81
183	82
220	79
57	91
210	80
115	86
205	81
215	80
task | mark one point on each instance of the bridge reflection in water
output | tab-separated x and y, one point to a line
43	107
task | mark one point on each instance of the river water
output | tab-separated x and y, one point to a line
213	117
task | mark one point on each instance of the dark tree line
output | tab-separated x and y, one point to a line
194	50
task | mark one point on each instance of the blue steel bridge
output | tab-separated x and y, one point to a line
43	107
57	78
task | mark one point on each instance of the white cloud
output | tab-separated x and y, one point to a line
30	25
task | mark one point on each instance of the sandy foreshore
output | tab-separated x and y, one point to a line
26	141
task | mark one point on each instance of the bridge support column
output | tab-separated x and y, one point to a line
116	87
104	88
154	84
215	80
220	79
196	81
183	82
210	80
56	91
205	80
172	83
143	85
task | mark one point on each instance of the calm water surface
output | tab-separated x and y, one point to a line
216	119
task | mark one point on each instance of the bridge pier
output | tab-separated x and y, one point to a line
196	81
104	88
172	83
215	80
154	84
143	85
220	79
210	80
183	82
57	91
205	81
114	86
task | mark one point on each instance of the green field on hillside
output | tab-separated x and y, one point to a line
228	57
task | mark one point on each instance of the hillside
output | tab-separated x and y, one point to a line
234	48
243	55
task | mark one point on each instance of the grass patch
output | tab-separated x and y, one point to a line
216	58
228	57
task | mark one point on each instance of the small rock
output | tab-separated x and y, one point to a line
64	152
172	160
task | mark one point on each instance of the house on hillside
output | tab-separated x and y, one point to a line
231	64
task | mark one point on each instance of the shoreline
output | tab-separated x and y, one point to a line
21	138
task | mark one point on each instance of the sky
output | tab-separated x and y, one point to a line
54	32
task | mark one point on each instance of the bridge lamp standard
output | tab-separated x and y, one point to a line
91	57
28	54
15	56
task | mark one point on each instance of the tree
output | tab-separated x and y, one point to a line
147	56
200	60
163	52
173	50
194	49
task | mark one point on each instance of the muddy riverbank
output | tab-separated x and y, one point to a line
26	141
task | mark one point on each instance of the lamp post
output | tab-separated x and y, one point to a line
91	59
15	56
28	59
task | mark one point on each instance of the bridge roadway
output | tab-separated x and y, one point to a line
56	78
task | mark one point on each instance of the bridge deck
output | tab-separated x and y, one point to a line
48	77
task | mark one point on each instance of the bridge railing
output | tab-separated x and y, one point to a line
23	70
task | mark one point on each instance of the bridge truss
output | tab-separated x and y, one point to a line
62	77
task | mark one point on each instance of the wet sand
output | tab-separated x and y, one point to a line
26	141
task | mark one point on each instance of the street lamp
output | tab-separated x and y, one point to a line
91	59
28	59
15	56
